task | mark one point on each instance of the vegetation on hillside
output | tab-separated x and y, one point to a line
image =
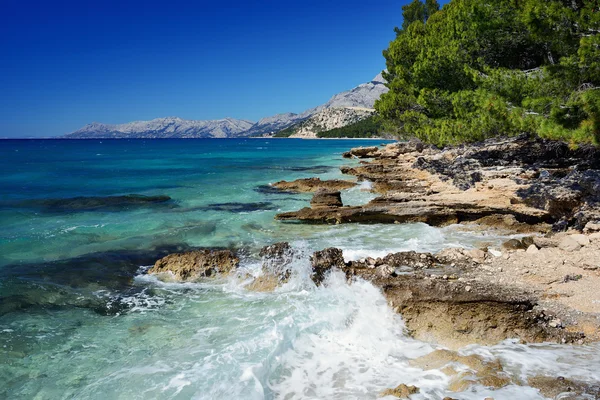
482	68
287	132
366	128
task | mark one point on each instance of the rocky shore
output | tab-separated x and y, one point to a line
540	286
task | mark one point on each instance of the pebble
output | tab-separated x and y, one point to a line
468	288
533	249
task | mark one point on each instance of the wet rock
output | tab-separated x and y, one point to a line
481	371
567	243
362	152
324	198
276	267
514	244
323	261
268	189
564	388
443	311
308	185
195	265
402	391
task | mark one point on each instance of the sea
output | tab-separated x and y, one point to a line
81	221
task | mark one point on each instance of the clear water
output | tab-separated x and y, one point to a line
80	319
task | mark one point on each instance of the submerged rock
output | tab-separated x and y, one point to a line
239	207
308	185
481	372
110	203
195	265
97	281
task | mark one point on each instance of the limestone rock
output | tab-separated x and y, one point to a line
402	391
567	243
481	371
195	265
514	244
594	236
362	152
583	240
276	260
477	255
553	387
543	242
307	185
323	261
592	227
533	249
324	198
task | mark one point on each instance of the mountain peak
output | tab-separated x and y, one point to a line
361	97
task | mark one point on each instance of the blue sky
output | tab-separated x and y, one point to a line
64	64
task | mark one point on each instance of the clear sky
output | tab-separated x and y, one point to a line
64	64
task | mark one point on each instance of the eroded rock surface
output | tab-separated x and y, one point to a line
325	198
195	265
402	391
308	185
458	297
534	181
276	267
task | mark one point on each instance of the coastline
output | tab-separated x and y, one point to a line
539	287
553	274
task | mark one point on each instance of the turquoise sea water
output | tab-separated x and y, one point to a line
80	319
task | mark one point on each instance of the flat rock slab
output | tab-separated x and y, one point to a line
309	185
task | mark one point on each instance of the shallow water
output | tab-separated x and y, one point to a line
80	319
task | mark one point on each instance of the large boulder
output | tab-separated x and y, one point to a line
323	261
326	198
195	265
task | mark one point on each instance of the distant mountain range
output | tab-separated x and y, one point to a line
358	99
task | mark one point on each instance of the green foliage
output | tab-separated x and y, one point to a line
287	132
366	128
418	11
482	68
